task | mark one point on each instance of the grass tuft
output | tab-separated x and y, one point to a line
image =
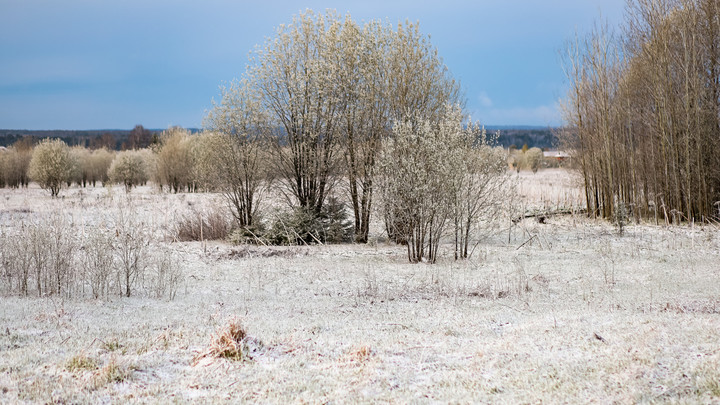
229	343
81	362
112	372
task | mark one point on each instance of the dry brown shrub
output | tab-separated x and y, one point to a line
202	225
229	343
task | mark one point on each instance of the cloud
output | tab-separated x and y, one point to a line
485	100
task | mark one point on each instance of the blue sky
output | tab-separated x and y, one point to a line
91	64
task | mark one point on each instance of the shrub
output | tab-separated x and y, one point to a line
419	169
434	175
79	171
100	161
48	256
129	168
14	163
175	160
131	248
249	235
229	343
200	225
98	262
38	257
90	166
167	274
51	165
534	159
303	225
621	216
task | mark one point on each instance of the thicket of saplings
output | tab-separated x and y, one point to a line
644	112
59	255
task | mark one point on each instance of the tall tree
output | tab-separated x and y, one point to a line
139	138
646	118
296	79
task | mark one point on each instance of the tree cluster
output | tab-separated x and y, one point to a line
644	111
323	94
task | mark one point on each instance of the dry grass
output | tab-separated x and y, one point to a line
355	323
112	372
228	343
81	362
201	225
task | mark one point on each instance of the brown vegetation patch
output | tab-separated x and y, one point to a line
232	343
250	252
710	307
200	226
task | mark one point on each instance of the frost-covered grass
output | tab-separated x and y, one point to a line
567	311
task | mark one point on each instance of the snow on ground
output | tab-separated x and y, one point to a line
566	311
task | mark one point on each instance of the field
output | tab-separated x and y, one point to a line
566	311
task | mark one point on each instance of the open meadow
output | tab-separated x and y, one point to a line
564	311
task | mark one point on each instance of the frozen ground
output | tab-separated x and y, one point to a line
567	311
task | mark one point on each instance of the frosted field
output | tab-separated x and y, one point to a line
566	311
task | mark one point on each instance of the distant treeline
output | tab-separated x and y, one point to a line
113	139
543	138
119	139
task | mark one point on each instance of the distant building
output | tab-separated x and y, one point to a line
556	155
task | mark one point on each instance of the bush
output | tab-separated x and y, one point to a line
14	163
303	226
200	225
90	166
438	174
100	161
78	173
175	160
129	168
419	170
51	165
533	159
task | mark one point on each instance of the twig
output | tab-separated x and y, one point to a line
524	243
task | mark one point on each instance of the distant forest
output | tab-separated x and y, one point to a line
114	139
533	137
139	137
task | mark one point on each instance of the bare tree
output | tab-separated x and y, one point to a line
295	77
644	109
484	190
234	154
139	138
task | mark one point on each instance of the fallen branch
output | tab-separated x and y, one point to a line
543	214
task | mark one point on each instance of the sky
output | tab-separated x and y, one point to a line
112	64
